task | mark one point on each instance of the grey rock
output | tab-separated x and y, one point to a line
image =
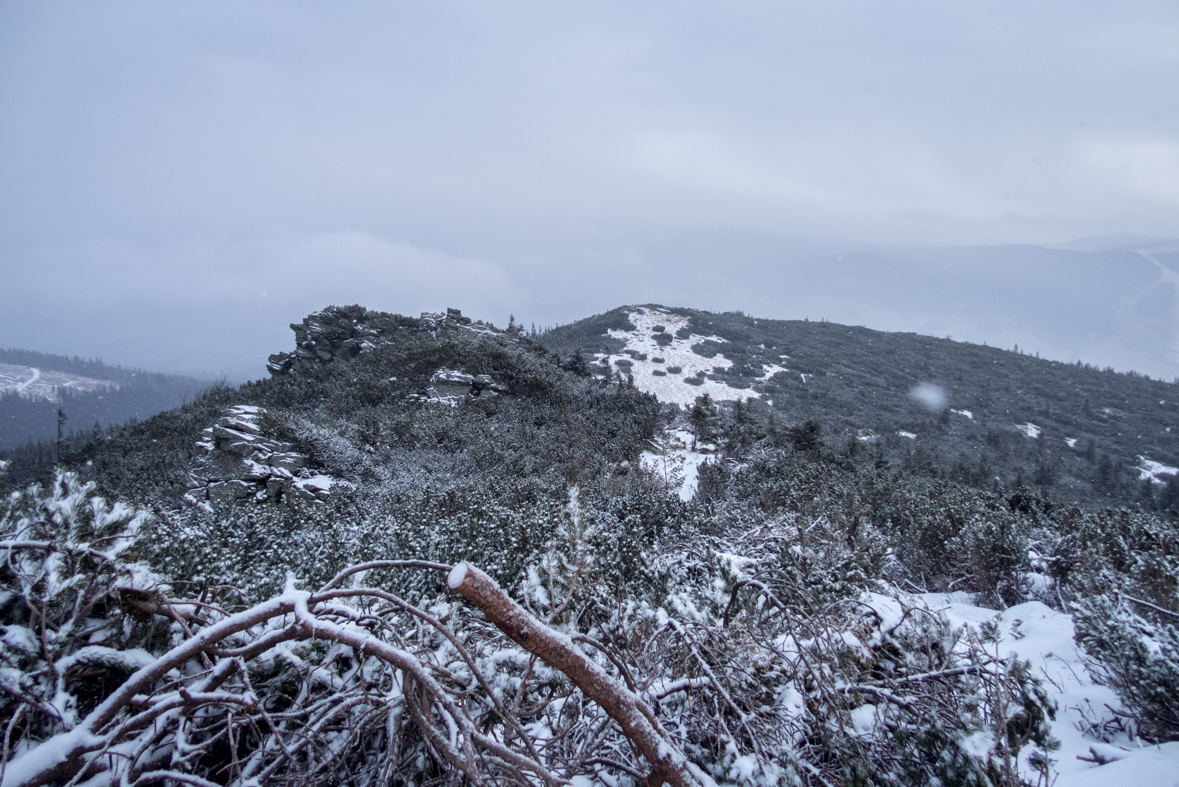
289	461
233	461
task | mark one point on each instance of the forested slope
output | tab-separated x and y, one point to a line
111	396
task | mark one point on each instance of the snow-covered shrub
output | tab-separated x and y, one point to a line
994	550
108	678
77	613
774	665
1138	658
251	547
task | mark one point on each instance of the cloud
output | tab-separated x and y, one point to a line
221	308
175	162
1145	169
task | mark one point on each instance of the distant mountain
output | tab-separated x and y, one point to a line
35	383
1116	241
938	407
35	386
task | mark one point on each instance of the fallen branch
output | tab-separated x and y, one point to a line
633	715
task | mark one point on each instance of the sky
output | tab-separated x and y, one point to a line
179	181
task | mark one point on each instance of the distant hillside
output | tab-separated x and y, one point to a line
34	386
1075	432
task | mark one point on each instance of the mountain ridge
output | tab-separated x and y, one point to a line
1019	419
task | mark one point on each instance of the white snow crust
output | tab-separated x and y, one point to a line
1150	469
671	387
1029	429
1037	633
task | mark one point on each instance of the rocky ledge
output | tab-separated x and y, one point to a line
234	461
344	332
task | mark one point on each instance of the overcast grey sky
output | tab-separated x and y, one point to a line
178	181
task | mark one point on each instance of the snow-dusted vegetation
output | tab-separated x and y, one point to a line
552	577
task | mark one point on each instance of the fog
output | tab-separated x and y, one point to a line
180	181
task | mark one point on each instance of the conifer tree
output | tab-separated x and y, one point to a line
702	418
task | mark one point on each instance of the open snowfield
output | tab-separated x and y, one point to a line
651	374
1036	633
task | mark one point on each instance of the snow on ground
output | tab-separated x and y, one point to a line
1030	429
317	484
651	375
41	384
674	461
1154	470
966	413
1036	633
25	385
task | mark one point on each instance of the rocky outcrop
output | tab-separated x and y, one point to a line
344	332
452	387
234	461
336	333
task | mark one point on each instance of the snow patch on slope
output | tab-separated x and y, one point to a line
1030	429
673	460
652	376
1154	471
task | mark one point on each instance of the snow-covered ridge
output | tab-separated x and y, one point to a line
662	368
343	333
